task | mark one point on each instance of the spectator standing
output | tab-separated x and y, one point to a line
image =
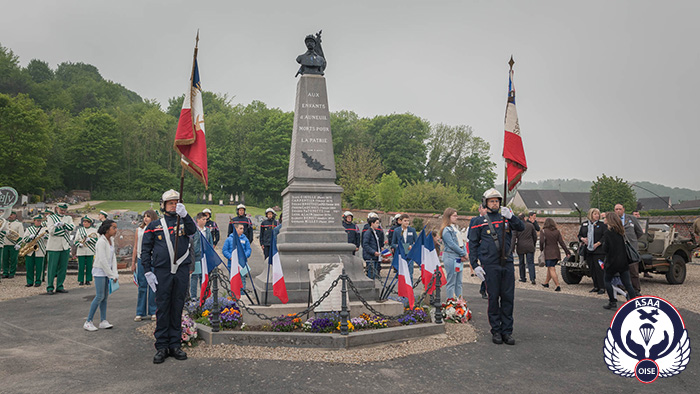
227	250
616	261
146	297
454	253
633	230
550	240
103	270
524	245
380	234
591	237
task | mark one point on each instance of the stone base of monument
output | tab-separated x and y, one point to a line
311	340
388	308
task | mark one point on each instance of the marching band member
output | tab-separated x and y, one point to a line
35	260
14	231
58	248
85	240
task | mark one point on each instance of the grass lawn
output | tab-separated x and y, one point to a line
192	209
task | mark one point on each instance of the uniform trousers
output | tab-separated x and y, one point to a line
85	268
500	286
58	264
9	260
35	268
171	292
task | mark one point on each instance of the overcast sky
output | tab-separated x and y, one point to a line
602	86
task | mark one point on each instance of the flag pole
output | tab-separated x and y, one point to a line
182	174
505	179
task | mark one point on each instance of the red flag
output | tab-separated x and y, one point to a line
190	139
513	150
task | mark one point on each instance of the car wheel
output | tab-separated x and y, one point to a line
676	273
569	277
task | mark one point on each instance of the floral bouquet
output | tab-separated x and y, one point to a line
456	311
189	331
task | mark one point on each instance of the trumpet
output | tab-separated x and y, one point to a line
31	246
93	236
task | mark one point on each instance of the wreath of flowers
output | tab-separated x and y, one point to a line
456	311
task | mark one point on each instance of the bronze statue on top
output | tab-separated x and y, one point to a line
313	61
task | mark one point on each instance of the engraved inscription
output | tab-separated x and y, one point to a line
313	209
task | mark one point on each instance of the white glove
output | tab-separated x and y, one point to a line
17	247
59	225
180	209
151	279
31	237
506	212
480	273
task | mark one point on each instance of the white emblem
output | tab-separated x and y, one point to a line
647	339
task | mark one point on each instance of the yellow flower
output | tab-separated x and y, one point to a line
206	313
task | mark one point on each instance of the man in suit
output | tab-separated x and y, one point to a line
633	231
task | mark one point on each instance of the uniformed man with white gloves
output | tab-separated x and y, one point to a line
167	272
485	242
58	246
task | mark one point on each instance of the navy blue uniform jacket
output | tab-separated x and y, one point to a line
369	245
353	233
266	229
154	250
380	233
397	238
481	245
247	226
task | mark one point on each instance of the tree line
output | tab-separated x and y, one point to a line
69	128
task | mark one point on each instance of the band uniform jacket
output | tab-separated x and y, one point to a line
59	237
85	240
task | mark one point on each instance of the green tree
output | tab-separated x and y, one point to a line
24	137
39	71
607	191
358	169
400	141
12	80
389	192
459	158
433	196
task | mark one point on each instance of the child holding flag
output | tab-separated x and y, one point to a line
239	236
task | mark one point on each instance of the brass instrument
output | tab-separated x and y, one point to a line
11	235
93	235
31	246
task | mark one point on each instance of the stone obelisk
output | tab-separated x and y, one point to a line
312	231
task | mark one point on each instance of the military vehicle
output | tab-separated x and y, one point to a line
662	249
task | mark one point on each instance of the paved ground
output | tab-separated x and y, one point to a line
559	348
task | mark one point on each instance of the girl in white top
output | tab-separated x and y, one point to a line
103	270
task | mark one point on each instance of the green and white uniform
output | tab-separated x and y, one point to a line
58	249
35	260
85	241
9	253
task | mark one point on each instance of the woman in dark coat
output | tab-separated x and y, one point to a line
550	240
615	258
591	237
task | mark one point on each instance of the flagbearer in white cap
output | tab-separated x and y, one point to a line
60	226
34	261
167	271
85	241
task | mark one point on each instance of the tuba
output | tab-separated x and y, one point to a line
11	235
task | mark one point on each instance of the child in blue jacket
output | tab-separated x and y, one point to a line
244	243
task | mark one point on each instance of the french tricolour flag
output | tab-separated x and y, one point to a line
210	260
238	267
279	288
386	253
190	139
430	262
405	284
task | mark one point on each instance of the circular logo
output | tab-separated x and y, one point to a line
647	339
8	197
646	371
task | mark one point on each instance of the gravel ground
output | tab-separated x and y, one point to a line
14	287
685	296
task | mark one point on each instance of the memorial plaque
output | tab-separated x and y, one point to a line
321	276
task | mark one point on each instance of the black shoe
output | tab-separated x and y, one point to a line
558	288
11	276
81	283
611	305
497	339
160	356
601	291
522	280
6	276
534	283
37	284
87	283
61	291
178	354
594	290
48	292
546	285
508	340
28	285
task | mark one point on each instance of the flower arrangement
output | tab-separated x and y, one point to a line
374	321
230	317
189	331
413	316
456	311
286	323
